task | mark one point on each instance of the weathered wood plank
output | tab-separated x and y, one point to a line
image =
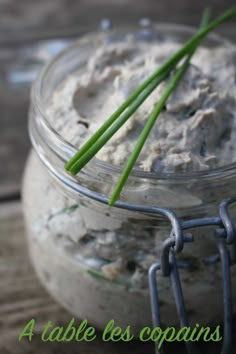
14	141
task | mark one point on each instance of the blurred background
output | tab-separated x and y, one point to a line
31	32
17	18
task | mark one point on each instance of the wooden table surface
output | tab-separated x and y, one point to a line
21	296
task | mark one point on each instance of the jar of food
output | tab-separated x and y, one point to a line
92	258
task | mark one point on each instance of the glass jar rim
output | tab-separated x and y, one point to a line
116	169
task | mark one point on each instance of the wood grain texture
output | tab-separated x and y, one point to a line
23	298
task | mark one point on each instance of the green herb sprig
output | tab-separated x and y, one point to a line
154	116
129	107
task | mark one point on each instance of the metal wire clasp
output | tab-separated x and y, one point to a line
169	267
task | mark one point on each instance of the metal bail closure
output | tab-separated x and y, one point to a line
227	236
229	226
169	266
227	291
172	269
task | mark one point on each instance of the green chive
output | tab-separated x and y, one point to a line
91	152
152	119
129	107
161	71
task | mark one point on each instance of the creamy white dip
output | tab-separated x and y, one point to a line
197	129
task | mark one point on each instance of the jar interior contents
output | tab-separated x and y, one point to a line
197	129
96	263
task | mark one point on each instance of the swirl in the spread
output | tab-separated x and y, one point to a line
196	130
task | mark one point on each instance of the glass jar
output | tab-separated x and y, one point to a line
92	258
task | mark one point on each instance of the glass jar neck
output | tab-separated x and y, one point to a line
186	194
